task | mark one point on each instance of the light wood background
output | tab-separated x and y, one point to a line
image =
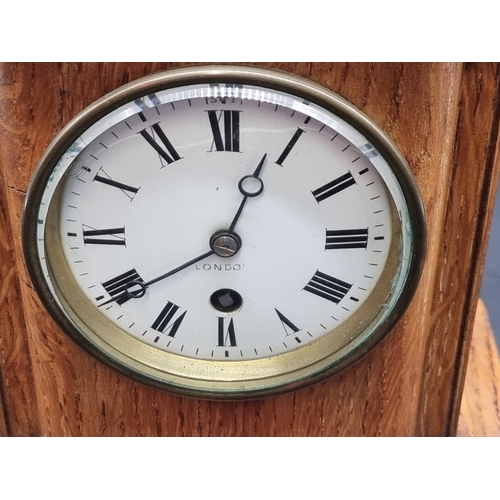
444	119
480	407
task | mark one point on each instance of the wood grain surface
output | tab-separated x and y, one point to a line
480	407
444	119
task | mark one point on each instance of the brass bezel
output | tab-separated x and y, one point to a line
222	379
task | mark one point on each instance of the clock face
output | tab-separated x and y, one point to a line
223	238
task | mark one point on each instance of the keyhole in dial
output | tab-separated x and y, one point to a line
226	300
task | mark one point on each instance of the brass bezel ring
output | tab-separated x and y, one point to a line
202	378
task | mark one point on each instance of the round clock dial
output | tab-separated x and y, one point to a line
224	231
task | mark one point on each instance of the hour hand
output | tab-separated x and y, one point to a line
250	186
224	243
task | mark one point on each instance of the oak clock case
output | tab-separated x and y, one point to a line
224	232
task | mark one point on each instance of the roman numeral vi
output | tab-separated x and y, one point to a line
226	339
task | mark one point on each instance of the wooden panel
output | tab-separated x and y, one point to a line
480	407
18	409
443	118
463	233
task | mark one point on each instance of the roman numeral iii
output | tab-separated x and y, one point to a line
163	321
346	238
334	187
327	287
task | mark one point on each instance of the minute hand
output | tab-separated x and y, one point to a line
180	268
247	193
137	289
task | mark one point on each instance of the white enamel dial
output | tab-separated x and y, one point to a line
224	222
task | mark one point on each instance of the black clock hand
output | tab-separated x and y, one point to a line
253	189
223	243
142	287
180	268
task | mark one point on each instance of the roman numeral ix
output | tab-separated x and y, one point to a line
227	139
327	287
162	322
346	238
334	187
